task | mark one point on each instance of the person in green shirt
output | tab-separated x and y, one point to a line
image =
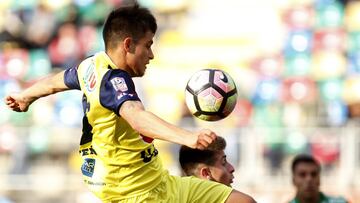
306	179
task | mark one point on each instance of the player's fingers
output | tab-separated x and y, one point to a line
200	147
206	138
14	106
210	133
8	100
17	110
205	142
210	137
12	103
213	135
202	144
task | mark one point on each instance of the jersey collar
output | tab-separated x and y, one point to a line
108	60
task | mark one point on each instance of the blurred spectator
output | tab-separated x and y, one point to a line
306	179
29	28
64	49
354	110
5	200
40	26
325	148
12	30
275	155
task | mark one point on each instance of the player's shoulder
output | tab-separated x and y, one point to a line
338	200
292	201
98	59
86	65
335	199
117	76
88	59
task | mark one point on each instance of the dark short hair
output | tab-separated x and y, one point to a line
304	158
189	158
127	21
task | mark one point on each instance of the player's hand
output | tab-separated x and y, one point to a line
17	103
204	138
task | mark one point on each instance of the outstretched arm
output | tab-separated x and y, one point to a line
52	84
150	125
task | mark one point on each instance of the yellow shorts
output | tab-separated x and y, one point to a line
174	189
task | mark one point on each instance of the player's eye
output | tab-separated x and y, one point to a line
313	174
149	44
302	174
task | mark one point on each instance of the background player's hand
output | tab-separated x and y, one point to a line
204	138
17	103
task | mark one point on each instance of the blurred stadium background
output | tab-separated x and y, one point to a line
296	64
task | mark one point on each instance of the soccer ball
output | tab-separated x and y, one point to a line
211	94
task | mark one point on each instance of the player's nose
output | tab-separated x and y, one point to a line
151	55
231	168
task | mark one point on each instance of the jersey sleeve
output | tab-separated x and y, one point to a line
116	88
71	78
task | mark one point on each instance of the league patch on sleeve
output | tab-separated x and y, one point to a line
119	84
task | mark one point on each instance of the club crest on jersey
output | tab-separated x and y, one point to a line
119	84
88	167
89	78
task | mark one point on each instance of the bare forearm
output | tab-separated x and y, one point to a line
150	125
44	87
155	127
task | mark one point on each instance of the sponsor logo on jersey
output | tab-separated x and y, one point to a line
119	84
121	94
87	151
89	182
88	167
149	153
89	77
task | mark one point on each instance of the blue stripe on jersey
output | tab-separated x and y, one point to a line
71	78
116	88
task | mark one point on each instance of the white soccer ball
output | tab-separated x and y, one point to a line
211	94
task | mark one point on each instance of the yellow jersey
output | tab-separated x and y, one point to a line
118	162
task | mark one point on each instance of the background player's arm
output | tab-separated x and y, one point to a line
150	125
52	84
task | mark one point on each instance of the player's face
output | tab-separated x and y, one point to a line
141	54
222	171
306	179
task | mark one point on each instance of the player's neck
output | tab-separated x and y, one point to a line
117	58
315	199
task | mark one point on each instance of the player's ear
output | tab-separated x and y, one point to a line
205	172
129	45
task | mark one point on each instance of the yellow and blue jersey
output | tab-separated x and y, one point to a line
118	162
